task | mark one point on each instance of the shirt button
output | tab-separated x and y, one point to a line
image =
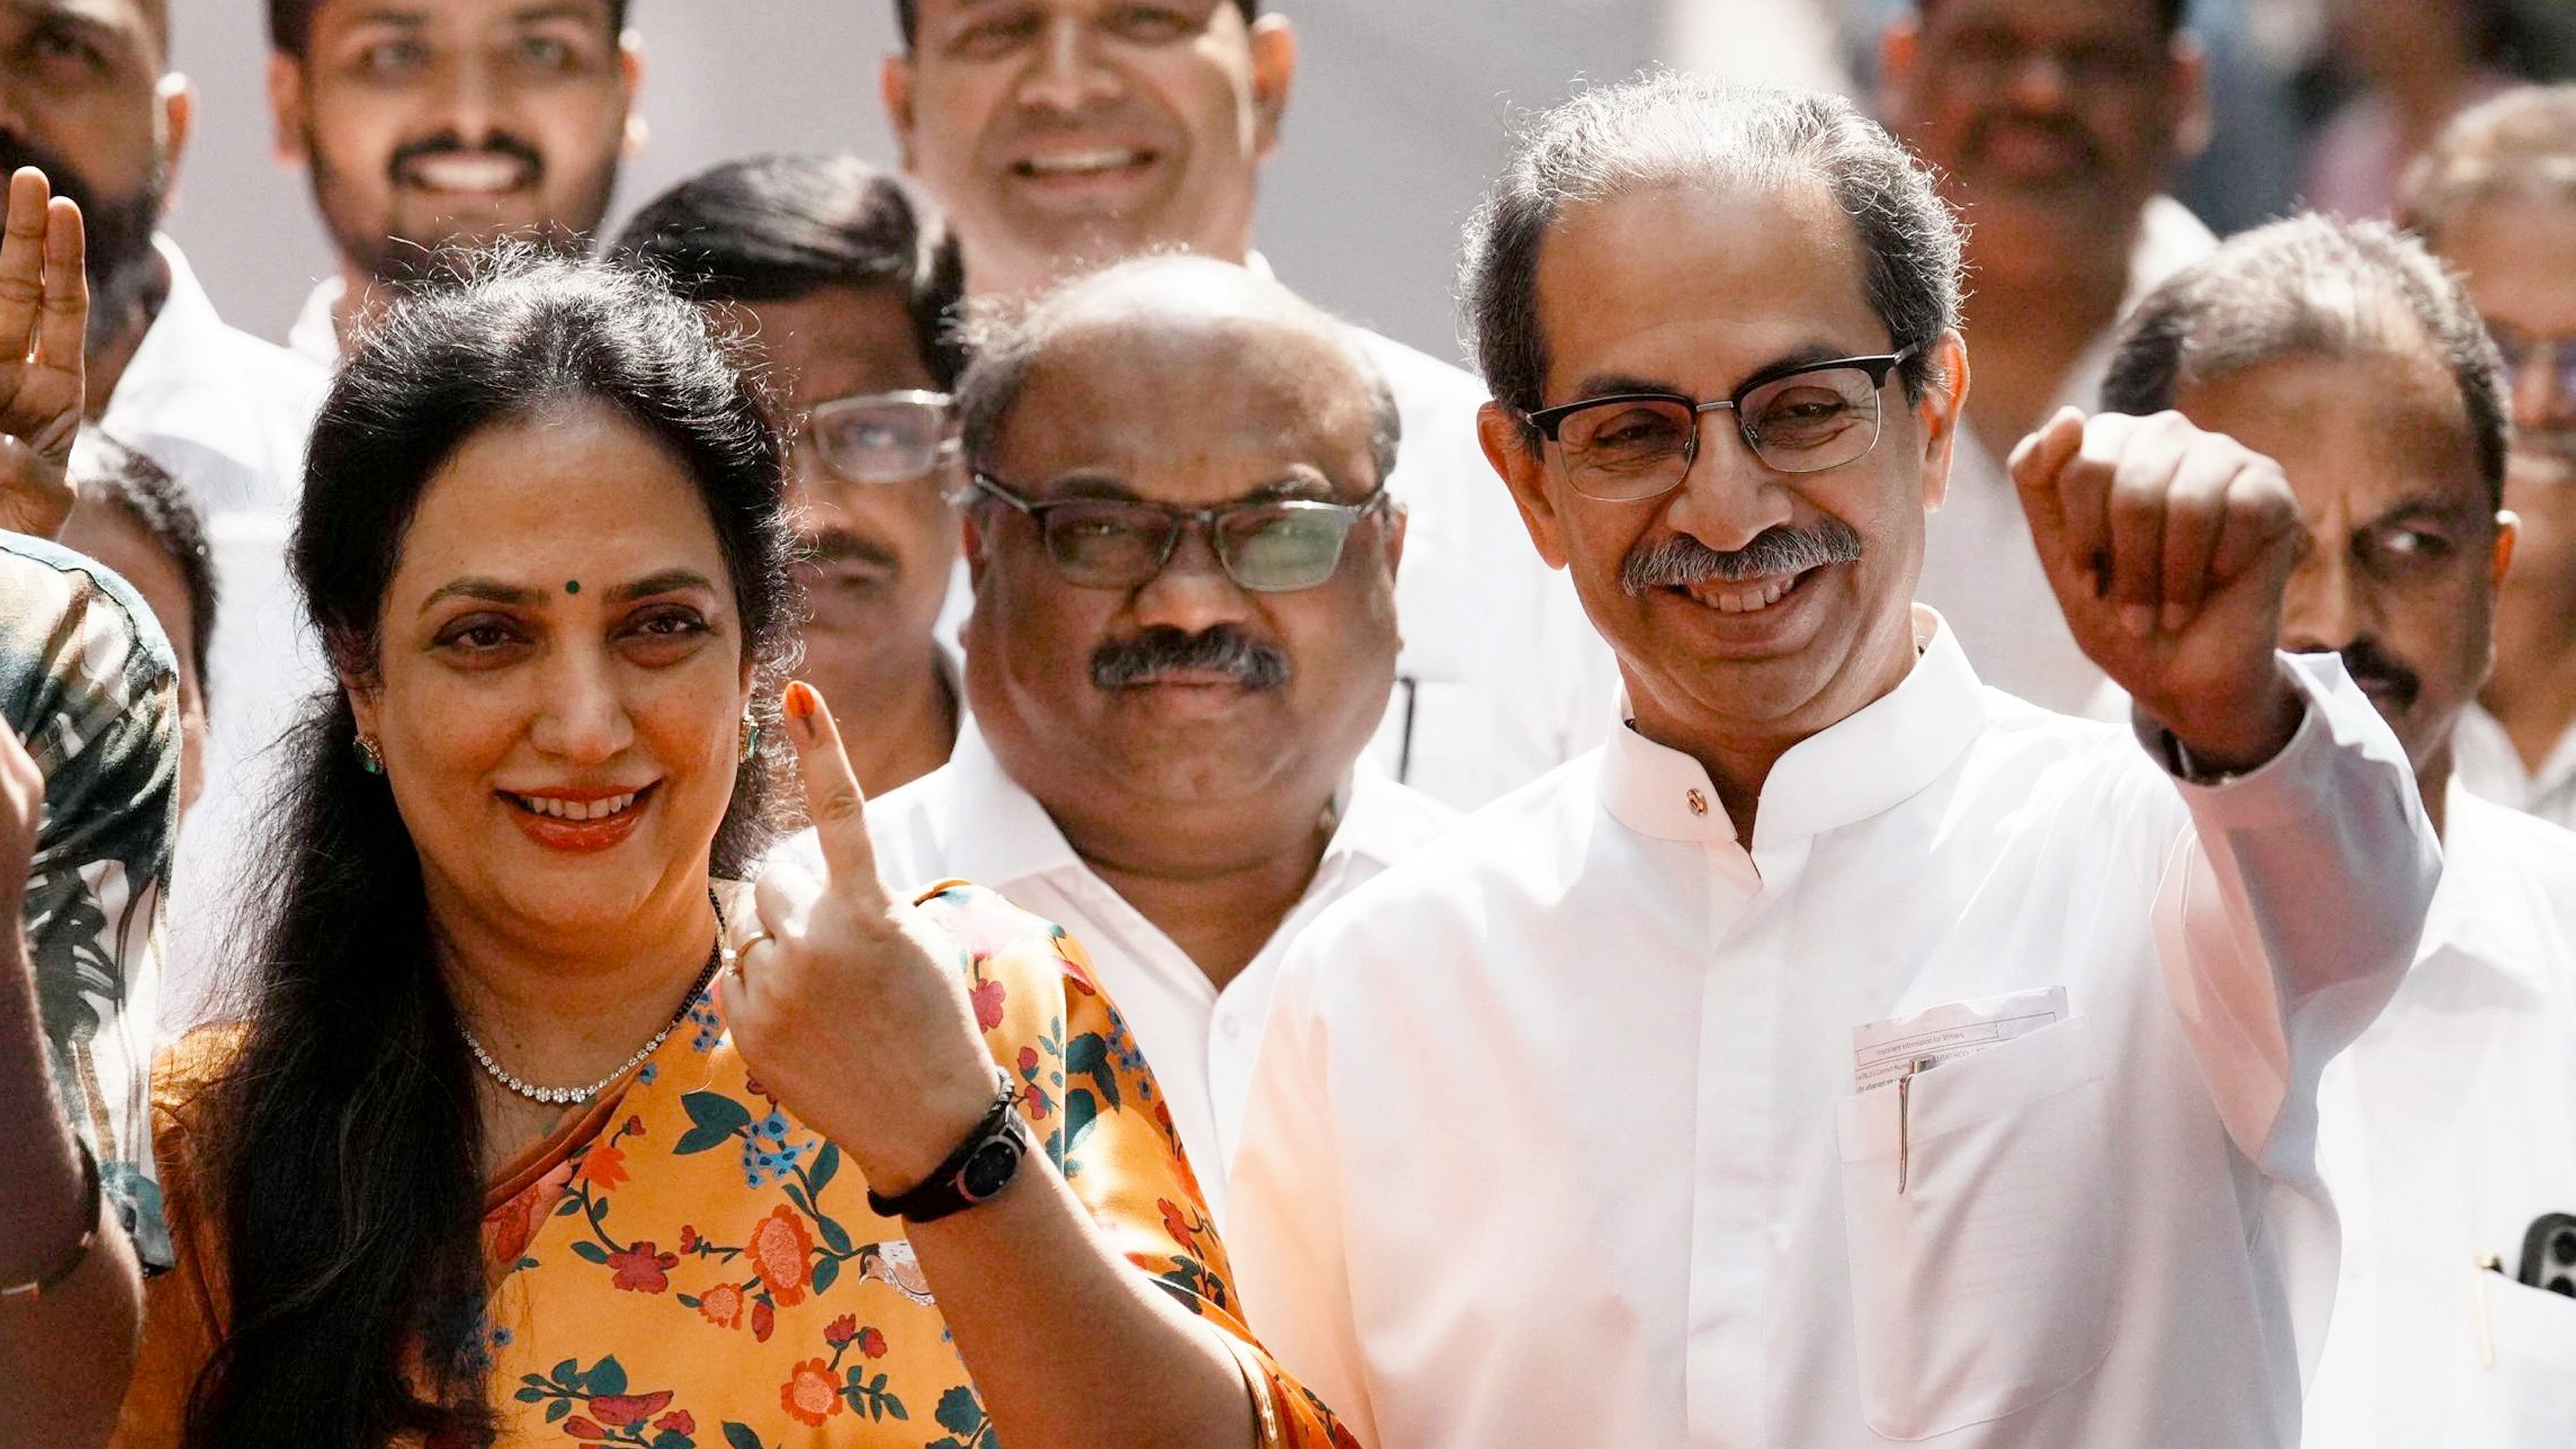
1230	1027
1698	802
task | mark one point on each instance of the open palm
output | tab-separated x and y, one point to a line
44	316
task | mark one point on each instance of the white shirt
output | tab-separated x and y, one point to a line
968	820
1501	678
1980	568
2448	1130
227	414
2485	760
315	337
1554	1136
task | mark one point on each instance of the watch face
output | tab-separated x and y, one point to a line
990	1169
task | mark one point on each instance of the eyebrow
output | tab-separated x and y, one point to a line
1605	384
2449	510
494	591
1319	487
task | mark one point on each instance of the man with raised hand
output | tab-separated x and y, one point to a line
2053	127
1060	134
2496	198
2346	354
1848	1052
425	124
89	780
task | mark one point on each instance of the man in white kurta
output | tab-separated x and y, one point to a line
1499	681
2448	1131
1166	744
1847	1053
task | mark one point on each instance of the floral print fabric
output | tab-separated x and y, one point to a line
689	1265
88	681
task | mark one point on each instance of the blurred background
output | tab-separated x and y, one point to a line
1402	111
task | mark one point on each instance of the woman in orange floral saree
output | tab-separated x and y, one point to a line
685	1263
534	1131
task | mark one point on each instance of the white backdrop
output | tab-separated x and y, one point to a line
1399	118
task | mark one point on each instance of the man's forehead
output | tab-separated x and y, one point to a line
148	19
2373	428
2045	19
1721	278
459	13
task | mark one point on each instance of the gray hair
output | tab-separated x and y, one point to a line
2311	286
1008	338
2522	142
1667	128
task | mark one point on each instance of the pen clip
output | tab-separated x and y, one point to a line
2486	1329
1905	1118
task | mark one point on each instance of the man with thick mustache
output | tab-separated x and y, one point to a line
1848	1052
2345	353
425	124
2053	127
2496	198
1060	134
1184	559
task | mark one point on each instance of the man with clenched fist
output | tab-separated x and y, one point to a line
1848	1052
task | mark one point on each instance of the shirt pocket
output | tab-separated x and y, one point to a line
2529	1398
1983	1287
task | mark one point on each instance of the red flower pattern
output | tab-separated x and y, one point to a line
988	996
622	1411
643	1269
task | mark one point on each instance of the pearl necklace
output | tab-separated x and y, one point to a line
568	1096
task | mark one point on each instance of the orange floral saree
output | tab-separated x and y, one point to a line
685	1264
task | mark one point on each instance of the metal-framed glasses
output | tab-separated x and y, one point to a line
883	437
1798	418
1269	546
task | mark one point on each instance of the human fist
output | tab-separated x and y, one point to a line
44	321
850	1005
2168	547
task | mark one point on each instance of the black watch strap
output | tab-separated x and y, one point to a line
976	1172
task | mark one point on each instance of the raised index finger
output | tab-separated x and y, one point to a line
833	799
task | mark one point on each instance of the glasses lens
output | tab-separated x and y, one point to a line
1627	450
1106	544
1811	421
1275	550
881	442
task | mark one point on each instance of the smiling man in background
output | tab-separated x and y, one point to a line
1060	133
429	123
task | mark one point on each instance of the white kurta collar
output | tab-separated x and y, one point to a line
1004	835
2465	922
1849	771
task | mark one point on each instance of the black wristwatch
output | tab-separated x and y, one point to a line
976	1172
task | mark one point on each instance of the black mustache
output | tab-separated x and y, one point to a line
1981	131
838	545
1126	663
448	143
1681	560
2369	663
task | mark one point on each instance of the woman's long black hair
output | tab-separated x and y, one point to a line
343	1147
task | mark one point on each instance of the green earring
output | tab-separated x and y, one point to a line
370	759
750	737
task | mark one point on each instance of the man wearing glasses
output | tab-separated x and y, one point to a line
1066	133
1848	1052
846	282
1184	633
2496	198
